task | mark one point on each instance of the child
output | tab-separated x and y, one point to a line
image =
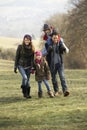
23	62
42	73
48	30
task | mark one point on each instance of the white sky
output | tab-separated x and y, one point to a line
34	12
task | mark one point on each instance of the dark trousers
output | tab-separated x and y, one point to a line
60	69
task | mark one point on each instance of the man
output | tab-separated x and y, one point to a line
48	30
54	56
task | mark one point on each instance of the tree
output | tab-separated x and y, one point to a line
73	28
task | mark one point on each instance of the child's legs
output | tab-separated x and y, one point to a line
39	86
47	84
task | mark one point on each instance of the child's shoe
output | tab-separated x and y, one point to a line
50	93
56	94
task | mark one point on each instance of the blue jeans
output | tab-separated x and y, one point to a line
46	84
25	73
60	69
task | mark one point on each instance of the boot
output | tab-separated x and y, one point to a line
23	90
57	93
28	92
50	93
66	93
39	94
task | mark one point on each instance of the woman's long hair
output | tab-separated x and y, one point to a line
30	38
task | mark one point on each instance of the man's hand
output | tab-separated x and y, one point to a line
50	49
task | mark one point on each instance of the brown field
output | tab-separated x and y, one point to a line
6	43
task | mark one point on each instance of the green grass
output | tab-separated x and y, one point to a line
59	113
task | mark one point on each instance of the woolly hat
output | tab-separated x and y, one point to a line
46	27
38	53
28	37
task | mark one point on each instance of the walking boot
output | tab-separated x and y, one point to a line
56	94
28	92
50	93
39	94
66	93
23	90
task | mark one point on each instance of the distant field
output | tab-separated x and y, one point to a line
13	43
59	113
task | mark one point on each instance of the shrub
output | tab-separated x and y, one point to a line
7	54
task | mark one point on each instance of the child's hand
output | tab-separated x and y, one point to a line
32	71
48	78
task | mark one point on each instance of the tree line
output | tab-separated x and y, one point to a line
73	28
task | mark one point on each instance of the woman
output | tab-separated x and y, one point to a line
23	61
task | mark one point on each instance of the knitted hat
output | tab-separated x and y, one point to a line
38	53
46	27
28	37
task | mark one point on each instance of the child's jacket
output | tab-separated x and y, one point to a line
41	70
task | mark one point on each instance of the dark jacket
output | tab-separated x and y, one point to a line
60	49
41	72
24	56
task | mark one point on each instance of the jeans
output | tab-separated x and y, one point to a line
60	69
46	84
25	73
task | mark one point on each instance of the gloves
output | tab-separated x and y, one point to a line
15	70
50	49
32	71
48	78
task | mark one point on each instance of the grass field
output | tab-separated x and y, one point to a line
59	113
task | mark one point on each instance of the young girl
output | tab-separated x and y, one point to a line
42	73
23	61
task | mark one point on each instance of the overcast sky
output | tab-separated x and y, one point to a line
27	15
